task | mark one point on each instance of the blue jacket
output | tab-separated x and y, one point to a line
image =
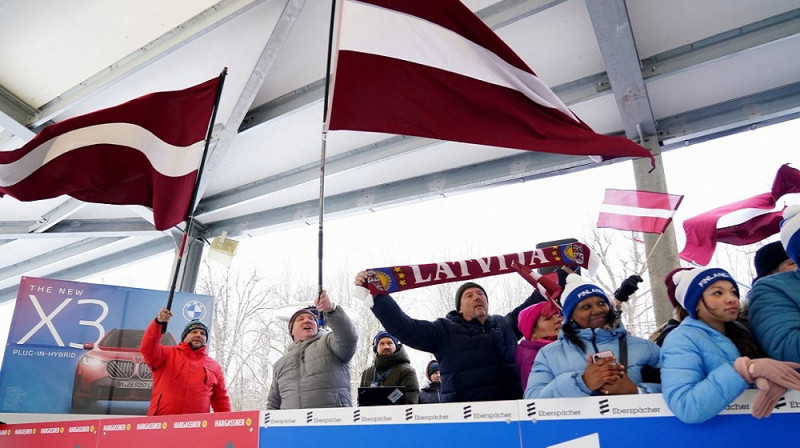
558	368
775	315
476	362
697	376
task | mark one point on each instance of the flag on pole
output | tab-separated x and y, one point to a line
143	152
743	222
434	69
638	211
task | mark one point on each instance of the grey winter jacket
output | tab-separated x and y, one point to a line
314	373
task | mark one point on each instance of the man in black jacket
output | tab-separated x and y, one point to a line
476	350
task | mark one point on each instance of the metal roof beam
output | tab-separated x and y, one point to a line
110	261
740	40
100	228
265	61
57	214
506	12
382	150
612	27
13	113
741	114
199	25
518	168
54	256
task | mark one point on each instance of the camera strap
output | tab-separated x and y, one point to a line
623	352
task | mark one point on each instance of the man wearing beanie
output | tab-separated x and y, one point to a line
774	311
475	349
432	393
392	367
314	372
185	379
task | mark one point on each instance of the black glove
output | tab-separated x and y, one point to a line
629	286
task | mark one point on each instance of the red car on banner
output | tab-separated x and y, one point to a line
113	370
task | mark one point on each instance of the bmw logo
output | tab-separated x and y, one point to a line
194	310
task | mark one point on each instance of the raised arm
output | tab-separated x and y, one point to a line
419	334
343	338
151	348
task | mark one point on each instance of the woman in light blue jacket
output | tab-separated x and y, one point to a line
567	368
706	361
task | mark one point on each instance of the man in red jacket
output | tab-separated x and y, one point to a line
185	379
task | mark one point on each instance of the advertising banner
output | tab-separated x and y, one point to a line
645	420
74	347
223	430
591	422
50	434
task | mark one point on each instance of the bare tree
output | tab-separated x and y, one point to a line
621	257
244	340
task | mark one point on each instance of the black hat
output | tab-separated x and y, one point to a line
381	335
465	287
432	368
768	258
196	323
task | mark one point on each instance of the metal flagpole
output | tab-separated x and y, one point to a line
190	211
322	154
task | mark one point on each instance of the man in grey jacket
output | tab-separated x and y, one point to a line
314	371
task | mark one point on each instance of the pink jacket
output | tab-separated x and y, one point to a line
526	353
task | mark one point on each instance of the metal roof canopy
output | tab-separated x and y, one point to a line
676	70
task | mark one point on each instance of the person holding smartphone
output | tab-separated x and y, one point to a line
594	354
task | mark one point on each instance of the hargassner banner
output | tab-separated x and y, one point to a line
74	347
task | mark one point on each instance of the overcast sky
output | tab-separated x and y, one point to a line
496	221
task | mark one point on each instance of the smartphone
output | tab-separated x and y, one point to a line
606	354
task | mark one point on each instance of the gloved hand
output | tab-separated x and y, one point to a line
628	286
781	373
768	395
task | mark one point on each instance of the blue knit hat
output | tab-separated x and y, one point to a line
790	237
196	323
381	335
576	290
689	285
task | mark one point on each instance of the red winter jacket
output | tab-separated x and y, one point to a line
185	381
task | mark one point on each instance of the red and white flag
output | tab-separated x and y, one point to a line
434	69
743	222
638	211
143	152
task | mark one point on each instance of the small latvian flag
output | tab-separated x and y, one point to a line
638	211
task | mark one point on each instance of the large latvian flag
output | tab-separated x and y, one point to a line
638	211
143	152
743	222
433	69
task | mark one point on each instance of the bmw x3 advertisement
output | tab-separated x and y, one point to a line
74	347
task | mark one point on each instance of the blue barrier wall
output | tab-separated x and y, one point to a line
628	421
